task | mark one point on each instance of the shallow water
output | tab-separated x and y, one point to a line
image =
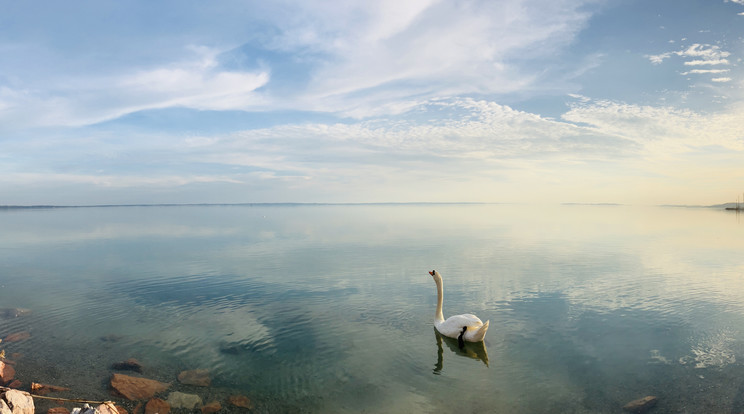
328	308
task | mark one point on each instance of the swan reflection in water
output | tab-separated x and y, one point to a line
475	350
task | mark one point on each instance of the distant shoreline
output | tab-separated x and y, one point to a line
726	206
52	206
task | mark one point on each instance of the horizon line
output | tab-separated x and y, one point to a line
53	206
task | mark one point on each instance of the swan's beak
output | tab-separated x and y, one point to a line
431	273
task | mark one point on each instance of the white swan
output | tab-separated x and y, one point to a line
464	327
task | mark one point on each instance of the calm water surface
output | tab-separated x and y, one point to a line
329	308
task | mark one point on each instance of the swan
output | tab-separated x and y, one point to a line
464	327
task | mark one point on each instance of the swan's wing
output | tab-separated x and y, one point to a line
452	327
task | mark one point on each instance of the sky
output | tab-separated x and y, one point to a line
518	101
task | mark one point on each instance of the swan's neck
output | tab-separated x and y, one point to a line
439	317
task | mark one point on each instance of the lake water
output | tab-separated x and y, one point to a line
329	308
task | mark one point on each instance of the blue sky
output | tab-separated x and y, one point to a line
637	102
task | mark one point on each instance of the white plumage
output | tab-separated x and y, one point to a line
474	328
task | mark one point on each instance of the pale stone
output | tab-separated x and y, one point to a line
85	409
21	402
182	400
4	409
107	408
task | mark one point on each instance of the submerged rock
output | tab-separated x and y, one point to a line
641	405
44	389
18	336
157	406
182	400
240	401
130	364
198	377
135	388
211	408
9	313
7	372
16	402
58	410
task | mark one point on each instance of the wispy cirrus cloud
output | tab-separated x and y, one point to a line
698	55
703	54
358	59
71	101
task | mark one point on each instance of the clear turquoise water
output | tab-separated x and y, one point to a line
328	308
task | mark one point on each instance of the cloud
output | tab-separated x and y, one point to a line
704	71
707	62
358	59
657	59
698	55
453	148
662	130
708	52
197	83
704	54
438	48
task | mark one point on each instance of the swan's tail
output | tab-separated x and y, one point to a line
481	333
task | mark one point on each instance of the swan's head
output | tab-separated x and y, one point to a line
435	274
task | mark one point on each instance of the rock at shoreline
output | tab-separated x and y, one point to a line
198	377
107	408
240	401
130	364
134	388
9	313
21	402
44	389
7	373
641	405
85	409
18	336
182	400
58	410
157	406
211	408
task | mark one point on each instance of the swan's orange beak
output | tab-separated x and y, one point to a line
431	273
